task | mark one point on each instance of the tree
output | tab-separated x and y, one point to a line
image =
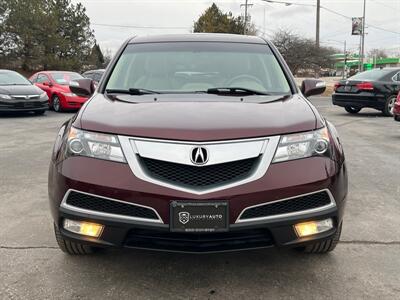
96	58
377	53
44	34
216	21
302	53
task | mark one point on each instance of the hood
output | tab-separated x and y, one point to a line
20	90
197	117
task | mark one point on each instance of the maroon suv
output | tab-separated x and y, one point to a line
197	143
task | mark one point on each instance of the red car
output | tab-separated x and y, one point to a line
198	143
396	108
56	85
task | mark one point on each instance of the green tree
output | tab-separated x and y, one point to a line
45	34
216	21
96	58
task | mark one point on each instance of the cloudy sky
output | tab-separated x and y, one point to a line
116	20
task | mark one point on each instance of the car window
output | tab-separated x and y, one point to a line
65	78
88	75
376	74
42	78
397	77
97	77
12	78
198	66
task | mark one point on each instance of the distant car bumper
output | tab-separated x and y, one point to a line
75	102
361	100
20	106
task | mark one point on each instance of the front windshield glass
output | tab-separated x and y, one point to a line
65	78
183	67
12	78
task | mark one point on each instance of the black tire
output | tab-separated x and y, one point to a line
72	248
325	246
39	112
352	110
56	104
389	106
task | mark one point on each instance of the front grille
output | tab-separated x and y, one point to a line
205	242
98	204
297	204
199	177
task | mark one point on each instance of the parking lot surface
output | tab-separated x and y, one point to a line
366	263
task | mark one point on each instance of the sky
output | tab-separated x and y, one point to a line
116	20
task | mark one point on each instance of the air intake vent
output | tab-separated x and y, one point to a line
293	205
199	177
109	206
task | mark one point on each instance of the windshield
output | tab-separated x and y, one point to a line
65	78
375	74
183	67
12	78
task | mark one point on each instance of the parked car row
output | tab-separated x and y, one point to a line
43	90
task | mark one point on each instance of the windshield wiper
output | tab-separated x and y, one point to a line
234	91
132	91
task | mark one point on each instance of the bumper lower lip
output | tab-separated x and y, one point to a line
147	234
359	100
21	106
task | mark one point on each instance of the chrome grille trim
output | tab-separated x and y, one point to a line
103	214
297	213
265	148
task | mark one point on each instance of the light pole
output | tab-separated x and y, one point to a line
362	39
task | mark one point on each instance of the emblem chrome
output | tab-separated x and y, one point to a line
199	156
184	217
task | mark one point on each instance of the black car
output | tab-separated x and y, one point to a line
95	75
18	94
375	89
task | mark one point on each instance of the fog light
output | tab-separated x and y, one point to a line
84	228
313	227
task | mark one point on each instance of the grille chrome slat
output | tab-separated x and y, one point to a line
104	206
261	150
298	205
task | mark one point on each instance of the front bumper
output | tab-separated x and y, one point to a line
73	103
116	181
363	99
23	105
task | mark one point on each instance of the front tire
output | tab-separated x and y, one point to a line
56	104
389	106
352	110
325	246
71	248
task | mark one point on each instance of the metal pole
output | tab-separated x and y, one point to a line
245	17
345	61
363	38
317	23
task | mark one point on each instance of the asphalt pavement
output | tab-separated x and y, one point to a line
365	264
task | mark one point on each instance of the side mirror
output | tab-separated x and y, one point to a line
311	87
82	87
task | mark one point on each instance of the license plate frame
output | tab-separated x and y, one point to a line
199	217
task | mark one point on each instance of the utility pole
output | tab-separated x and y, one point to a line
345	61
246	5
362	39
317	23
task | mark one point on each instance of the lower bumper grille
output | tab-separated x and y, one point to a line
189	242
99	204
199	177
292	205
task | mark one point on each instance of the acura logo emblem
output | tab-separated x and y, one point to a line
199	155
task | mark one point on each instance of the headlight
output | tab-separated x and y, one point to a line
302	145
69	94
43	95
93	144
6	97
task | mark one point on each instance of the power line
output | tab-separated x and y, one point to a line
137	26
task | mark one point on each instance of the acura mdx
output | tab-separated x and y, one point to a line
197	143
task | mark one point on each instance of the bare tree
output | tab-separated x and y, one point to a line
378	53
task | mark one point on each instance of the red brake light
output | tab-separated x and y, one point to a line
398	98
337	84
365	86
